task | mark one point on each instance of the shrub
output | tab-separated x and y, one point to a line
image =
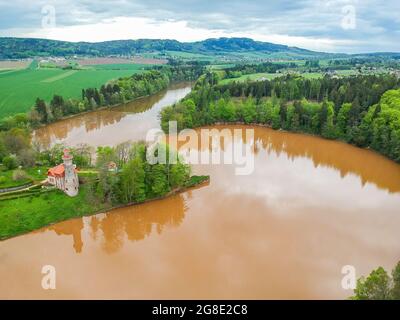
10	162
19	175
3	179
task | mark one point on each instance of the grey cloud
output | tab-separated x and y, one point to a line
377	20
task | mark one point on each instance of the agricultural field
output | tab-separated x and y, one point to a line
19	89
6	65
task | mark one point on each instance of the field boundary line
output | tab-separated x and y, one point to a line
60	76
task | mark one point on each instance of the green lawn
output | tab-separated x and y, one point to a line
6	180
19	89
22	215
33	174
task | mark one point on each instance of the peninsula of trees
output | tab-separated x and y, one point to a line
130	180
360	110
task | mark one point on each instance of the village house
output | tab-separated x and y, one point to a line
65	176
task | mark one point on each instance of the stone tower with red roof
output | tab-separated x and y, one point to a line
64	176
71	177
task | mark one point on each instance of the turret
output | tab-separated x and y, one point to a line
71	182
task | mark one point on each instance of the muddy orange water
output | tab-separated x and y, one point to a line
112	126
311	207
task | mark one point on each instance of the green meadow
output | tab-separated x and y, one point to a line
19	89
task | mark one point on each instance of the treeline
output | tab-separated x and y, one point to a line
16	151
134	179
378	60
115	92
17	48
376	126
379	285
184	71
366	89
266	67
15	148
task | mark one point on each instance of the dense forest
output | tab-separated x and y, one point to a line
361	110
367	89
137	180
268	67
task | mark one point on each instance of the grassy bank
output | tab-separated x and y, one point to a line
35	174
19	216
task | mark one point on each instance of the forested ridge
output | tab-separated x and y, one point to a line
19	48
361	110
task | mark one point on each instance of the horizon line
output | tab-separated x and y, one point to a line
197	41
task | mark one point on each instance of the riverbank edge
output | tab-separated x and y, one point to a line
204	180
42	125
263	125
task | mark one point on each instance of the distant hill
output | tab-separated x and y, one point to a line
17	48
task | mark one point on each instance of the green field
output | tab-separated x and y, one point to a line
33	174
19	89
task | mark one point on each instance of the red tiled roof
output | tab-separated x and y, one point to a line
58	171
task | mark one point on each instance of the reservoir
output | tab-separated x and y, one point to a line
310	207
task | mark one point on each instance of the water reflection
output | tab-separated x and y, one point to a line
282	150
133	223
345	159
72	228
310	207
114	125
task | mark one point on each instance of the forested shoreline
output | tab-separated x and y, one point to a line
15	131
360	110
114	93
130	180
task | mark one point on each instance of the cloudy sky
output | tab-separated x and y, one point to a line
324	25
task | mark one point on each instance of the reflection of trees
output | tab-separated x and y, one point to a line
134	223
137	222
368	166
94	120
